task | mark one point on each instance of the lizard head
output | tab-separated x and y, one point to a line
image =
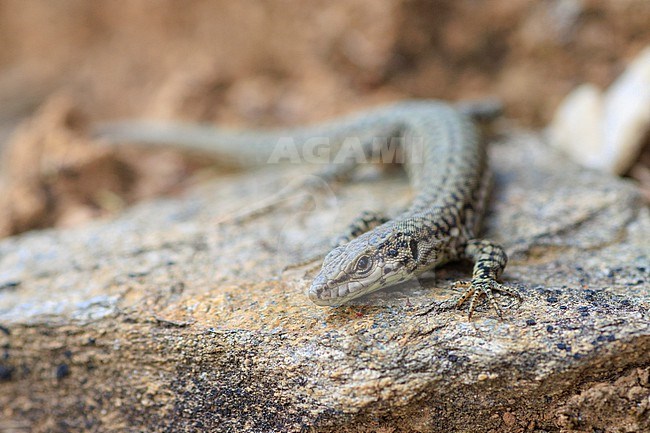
368	263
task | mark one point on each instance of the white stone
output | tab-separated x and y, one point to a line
576	126
606	131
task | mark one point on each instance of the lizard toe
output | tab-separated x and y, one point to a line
479	288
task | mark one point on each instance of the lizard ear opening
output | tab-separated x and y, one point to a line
413	245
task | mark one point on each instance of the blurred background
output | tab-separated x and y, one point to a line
67	64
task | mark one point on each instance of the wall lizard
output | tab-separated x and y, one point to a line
446	163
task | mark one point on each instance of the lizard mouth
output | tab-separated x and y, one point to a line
333	293
321	292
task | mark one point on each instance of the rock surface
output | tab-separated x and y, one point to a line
178	315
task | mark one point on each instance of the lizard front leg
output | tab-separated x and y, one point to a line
489	261
365	222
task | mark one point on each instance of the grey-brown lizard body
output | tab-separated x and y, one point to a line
447	164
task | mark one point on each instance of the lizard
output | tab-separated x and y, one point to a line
446	161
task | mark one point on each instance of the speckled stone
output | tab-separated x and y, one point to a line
178	314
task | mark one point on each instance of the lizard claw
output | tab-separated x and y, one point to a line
483	287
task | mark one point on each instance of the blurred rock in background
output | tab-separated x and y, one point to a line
278	63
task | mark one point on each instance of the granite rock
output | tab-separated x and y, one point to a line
179	314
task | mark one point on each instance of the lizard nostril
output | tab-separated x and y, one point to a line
319	294
317	287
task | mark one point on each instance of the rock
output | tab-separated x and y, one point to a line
606	131
177	316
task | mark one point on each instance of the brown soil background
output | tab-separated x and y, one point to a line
68	63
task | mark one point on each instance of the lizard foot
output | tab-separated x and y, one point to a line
483	287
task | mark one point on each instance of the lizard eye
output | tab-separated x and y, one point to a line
363	264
